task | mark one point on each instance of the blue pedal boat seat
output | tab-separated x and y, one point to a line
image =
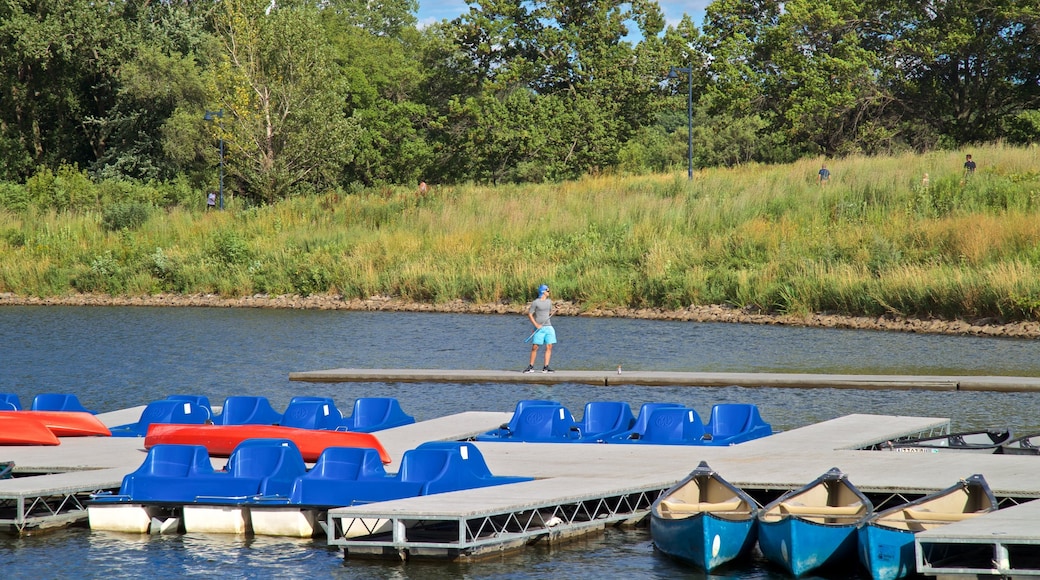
271	466
183	474
538	423
506	429
312	414
311	399
602	419
639	426
732	423
163	411
10	402
375	414
323	485
200	400
58	402
244	410
666	425
344	477
464	468
674	426
162	475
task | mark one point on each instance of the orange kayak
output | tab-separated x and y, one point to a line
64	423
25	431
221	440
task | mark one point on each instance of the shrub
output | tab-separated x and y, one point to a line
230	248
125	216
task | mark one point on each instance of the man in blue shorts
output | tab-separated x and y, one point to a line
540	314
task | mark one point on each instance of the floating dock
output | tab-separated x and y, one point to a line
690	379
583	488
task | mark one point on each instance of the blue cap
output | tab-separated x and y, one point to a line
542	289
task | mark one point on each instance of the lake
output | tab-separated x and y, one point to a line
118	357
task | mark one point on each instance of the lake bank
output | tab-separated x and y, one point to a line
710	313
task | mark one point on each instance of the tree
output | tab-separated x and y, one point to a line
970	67
285	126
570	54
162	78
376	53
58	79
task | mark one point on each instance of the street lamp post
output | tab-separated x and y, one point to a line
673	73
211	116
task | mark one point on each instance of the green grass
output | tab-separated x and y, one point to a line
874	241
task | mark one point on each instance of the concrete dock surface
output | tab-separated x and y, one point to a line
691	379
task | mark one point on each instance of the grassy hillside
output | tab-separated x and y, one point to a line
876	239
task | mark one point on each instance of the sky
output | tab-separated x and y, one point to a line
436	10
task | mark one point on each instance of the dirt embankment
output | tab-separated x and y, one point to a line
715	313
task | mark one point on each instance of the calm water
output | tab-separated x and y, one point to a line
118	357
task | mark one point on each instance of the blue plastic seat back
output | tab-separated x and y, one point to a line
348	464
423	465
521	405
464	468
58	402
169	460
377	413
169	411
468	452
602	418
312	415
10	402
242	410
164	471
345	476
266	458
731	418
200	400
673	425
732	423
311	399
647	409
545	423
163	411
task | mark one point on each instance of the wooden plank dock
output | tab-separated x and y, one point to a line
692	379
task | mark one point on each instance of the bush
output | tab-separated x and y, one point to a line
230	248
105	274
125	216
14	196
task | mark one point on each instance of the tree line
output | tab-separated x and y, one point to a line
351	94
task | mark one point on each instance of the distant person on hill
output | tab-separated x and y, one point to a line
824	175
969	165
423	188
211	200
540	314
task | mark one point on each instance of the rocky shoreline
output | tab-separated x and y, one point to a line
712	313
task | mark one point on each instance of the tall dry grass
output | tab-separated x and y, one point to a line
876	239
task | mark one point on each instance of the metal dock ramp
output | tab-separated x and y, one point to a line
473	523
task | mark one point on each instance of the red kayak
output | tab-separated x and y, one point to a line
15	430
64	423
221	440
